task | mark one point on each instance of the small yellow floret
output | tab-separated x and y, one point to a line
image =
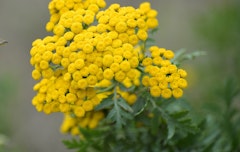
79	111
155	91
121	27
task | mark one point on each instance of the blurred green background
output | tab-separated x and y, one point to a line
211	26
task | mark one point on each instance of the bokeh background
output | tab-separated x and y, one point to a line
210	26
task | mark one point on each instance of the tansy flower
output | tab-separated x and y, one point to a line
92	49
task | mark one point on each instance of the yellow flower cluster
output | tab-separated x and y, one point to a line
93	49
72	124
163	77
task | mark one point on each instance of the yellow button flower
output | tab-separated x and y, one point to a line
59	30
147	61
134	62
142	35
64	107
79	63
115	67
107	60
87	105
71	98
152	23
121	27
108	74
155	91
131	23
125	66
44	64
168	54
36	75
87	48
120	76
182	83
79	111
177	92
166	93
182	73
145	80
92	80
82	84
131	99
145	7
88	19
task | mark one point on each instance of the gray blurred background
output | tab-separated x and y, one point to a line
23	21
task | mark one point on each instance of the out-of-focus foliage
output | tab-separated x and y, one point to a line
5	90
220	27
222	125
220	30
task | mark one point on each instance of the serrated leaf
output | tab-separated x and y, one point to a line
155	122
139	106
211	138
179	114
181	55
185	120
171	129
122	103
151	40
153	31
72	144
105	104
127	115
119	120
100	90
231	89
111	115
86	133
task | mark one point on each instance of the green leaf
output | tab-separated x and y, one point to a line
123	88
139	106
105	104
181	55
110	88
122	103
72	144
112	115
126	115
155	122
179	114
171	129
231	89
120	111
153	31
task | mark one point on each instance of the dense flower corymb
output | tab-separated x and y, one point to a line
91	52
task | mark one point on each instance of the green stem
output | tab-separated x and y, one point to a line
116	107
159	109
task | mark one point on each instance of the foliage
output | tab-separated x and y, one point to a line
220	27
160	126
221	129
